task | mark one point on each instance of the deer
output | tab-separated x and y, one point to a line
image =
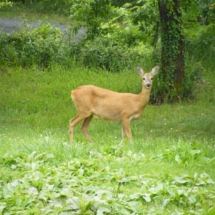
92	101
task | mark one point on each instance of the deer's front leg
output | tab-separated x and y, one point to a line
126	129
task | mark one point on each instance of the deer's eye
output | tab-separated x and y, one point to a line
151	78
144	79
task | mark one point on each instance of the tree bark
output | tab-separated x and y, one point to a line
173	48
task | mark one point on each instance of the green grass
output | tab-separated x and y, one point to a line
169	168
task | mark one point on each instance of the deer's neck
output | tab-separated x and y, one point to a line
145	92
144	96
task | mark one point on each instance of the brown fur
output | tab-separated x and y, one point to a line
91	100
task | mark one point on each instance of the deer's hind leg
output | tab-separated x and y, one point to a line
84	127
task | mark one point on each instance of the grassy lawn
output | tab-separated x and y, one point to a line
168	170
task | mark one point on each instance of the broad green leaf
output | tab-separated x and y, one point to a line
147	197
2	206
103	209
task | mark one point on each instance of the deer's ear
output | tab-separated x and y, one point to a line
155	70
140	71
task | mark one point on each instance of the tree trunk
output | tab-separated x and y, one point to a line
173	49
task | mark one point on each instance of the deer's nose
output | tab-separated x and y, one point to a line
148	85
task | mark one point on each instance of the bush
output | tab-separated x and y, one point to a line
45	46
108	54
202	45
41	46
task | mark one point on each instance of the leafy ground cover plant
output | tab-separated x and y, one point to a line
91	186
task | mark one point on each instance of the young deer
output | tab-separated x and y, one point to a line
106	104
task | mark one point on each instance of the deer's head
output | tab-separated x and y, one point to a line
147	77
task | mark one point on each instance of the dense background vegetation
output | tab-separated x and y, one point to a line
118	36
170	167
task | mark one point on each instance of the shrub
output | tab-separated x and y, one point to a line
45	46
111	55
201	46
41	46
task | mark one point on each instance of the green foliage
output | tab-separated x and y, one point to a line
181	154
125	25
45	45
46	6
109	54
54	6
145	15
207	11
201	45
41	46
130	23
114	42
5	4
90	13
121	28
89	186
158	174
118	38
120	3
